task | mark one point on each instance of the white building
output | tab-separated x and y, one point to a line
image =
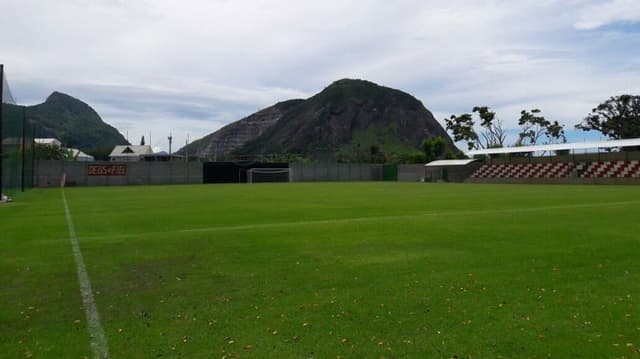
48	141
75	154
80	156
129	153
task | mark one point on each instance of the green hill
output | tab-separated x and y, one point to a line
346	121
71	121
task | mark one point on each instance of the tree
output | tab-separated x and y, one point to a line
415	157
375	156
51	152
142	141
434	148
616	118
493	134
427	148
462	128
535	127
439	147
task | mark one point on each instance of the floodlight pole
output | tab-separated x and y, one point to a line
24	138
186	151
170	138
1	134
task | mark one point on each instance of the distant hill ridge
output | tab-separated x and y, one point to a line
71	121
346	117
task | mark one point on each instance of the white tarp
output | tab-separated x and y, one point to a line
631	142
442	163
7	97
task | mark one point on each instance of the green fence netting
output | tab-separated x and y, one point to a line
17	145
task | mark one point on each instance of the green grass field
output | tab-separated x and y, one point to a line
325	270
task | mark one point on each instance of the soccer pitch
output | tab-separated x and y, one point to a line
324	270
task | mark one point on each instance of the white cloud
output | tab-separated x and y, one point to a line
191	67
604	13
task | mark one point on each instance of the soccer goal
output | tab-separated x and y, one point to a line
256	175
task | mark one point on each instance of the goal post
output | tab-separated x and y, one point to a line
261	175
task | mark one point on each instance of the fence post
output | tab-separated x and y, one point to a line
1	134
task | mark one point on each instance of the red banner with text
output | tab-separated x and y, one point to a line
107	170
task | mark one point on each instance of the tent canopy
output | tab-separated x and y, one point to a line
631	142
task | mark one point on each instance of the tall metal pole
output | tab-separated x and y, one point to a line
24	139
170	138
186	150
1	134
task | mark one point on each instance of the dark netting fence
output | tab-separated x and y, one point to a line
16	133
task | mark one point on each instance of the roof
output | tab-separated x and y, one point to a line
131	151
47	141
77	154
631	142
441	163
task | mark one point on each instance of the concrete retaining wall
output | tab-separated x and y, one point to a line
49	173
451	173
411	173
345	172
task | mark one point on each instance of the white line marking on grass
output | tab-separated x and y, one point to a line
98	340
357	219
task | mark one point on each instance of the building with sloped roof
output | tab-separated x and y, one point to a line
130	153
78	155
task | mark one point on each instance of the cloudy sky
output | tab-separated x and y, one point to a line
189	67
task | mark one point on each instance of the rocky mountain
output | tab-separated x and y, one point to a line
237	134
346	118
71	121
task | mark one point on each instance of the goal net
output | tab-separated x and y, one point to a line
259	175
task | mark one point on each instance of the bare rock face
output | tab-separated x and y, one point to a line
235	135
349	116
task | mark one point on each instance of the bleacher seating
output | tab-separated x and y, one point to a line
598	169
612	169
525	170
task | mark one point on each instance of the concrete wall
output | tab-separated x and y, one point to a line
49	173
452	173
307	172
411	173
